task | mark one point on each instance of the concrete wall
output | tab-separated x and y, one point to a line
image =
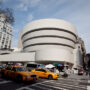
54	55
17	57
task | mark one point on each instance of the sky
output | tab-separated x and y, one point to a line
76	12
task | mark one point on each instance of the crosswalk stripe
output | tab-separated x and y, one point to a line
40	83
25	88
41	87
69	79
4	82
88	87
72	83
54	87
67	85
88	81
74	80
63	83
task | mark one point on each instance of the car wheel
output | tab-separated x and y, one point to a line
50	77
19	78
34	79
2	75
7	77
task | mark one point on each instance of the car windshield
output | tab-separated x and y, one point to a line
20	69
48	70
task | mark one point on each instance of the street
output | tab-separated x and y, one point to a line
45	84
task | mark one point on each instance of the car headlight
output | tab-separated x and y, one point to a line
55	74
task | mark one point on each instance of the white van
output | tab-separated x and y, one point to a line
30	66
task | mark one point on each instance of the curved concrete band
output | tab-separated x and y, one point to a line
51	39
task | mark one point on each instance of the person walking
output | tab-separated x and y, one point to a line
89	68
86	71
89	72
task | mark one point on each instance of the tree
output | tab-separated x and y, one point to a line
9	15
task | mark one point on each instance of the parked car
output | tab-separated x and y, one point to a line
18	73
45	73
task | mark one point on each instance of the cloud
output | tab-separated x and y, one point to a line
27	19
4	1
30	17
24	5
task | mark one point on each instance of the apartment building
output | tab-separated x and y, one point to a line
5	34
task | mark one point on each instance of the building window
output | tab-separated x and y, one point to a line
10	44
5	46
6	41
4	30
1	46
0	35
78	46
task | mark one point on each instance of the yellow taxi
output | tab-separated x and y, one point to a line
19	73
45	73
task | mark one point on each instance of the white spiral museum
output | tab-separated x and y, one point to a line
47	41
52	40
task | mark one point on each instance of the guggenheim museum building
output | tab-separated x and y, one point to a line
47	41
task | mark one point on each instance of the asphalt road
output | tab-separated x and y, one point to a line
45	84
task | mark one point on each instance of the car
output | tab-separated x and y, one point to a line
1	67
45	73
18	73
30	66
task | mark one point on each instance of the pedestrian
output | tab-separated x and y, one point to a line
86	71
56	70
89	71
72	71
